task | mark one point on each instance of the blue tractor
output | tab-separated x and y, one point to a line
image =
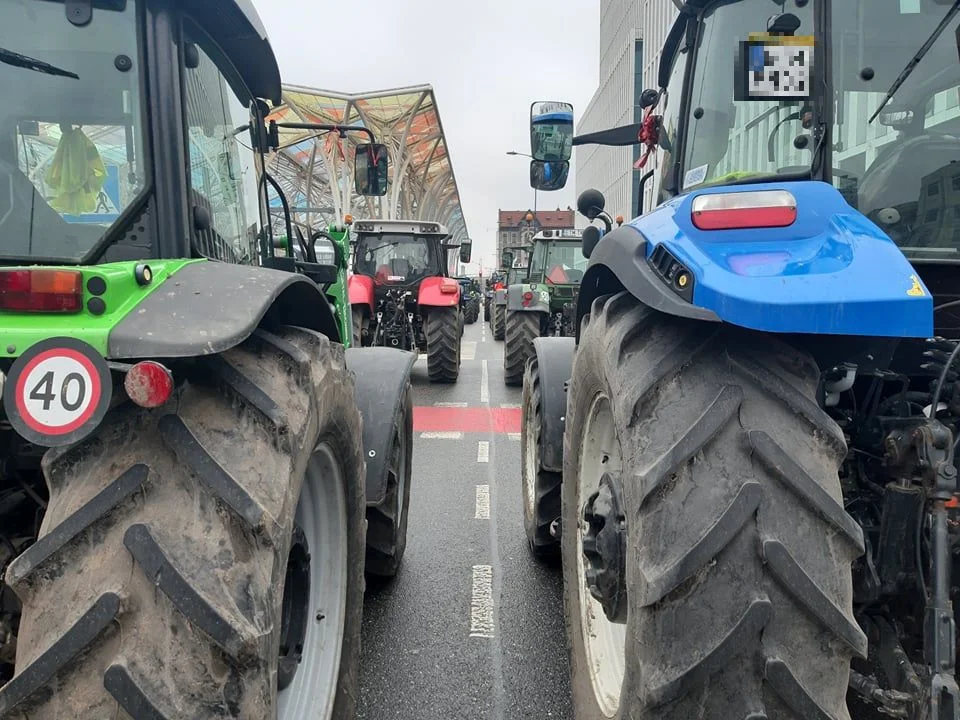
745	458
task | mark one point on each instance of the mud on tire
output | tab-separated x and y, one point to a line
443	328
387	522
522	328
738	550
154	590
541	488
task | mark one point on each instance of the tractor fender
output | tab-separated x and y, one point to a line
500	297
431	294
539	302
208	307
360	290
381	374
555	362
619	262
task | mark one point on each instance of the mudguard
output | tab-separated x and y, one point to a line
431	295
539	301
500	297
832	272
208	307
555	361
360	290
381	376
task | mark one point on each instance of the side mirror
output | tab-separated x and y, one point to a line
371	167
548	175
551	131
590	204
591	236
466	248
506	259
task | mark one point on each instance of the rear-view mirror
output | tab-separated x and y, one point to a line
548	175
551	131
370	169
466	249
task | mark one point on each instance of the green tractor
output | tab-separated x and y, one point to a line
542	304
190	455
509	275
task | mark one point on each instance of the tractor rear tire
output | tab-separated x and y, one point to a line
498	324
358	317
387	522
721	517
156	589
541	488
522	328
443	328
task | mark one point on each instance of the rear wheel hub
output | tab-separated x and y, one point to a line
604	548
296	609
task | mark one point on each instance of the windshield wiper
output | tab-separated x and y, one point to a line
22	61
912	65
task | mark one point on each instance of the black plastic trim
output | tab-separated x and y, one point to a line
555	362
381	374
623	252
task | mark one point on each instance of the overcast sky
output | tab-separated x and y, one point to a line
487	61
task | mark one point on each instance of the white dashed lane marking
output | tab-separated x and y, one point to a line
510	405
513	436
484	383
451	404
483	503
441	435
483	451
481	602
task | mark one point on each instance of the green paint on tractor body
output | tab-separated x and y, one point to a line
23	330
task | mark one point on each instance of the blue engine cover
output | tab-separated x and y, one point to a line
832	272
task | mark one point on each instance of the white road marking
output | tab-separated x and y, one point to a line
483	451
514	436
483	503
481	602
468	350
510	405
451	404
441	435
484	384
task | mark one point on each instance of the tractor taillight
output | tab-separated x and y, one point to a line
527	298
448	287
58	291
148	384
743	210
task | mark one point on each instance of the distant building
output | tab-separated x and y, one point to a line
517	227
631	35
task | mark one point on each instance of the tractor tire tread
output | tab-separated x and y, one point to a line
522	328
547	484
442	329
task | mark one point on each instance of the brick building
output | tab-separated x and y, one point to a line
516	227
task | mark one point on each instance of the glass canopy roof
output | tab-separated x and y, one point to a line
316	173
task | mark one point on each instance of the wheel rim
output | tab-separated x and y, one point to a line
604	641
322	516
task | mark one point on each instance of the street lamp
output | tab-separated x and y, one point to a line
514	152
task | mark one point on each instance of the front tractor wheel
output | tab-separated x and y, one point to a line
541	488
443	327
522	328
706	552
205	559
387	522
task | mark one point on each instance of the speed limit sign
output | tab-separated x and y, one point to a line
57	392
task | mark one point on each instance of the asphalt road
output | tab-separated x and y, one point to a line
472	626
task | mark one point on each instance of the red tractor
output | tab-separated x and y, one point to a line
402	295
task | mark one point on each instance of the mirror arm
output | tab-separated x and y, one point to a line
614	137
342	130
643	185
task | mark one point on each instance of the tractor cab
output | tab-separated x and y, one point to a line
556	258
399	253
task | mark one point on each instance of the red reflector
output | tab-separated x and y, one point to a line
743	210
41	290
149	384
528	296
